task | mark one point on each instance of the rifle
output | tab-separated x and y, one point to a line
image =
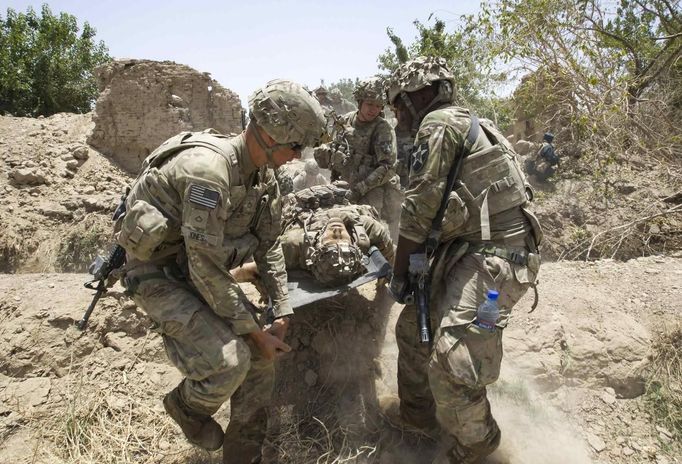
419	283
339	141
101	268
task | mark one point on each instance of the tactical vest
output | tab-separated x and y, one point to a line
153	196
490	182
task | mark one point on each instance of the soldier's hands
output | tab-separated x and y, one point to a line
268	344
339	158
279	327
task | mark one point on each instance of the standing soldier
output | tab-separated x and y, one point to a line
202	205
488	240
364	154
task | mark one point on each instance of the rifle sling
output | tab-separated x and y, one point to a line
465	150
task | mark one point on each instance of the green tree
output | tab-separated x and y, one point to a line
467	52
46	63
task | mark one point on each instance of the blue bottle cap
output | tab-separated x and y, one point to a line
493	294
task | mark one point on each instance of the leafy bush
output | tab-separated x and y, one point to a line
46	65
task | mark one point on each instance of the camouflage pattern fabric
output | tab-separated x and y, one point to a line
369	167
220	210
296	247
448	383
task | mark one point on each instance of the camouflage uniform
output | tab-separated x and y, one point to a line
448	383
368	166
361	219
199	208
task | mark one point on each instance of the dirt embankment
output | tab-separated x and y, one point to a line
575	383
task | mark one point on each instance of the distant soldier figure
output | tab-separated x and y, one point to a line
546	160
309	177
326	235
322	95
203	204
340	104
363	154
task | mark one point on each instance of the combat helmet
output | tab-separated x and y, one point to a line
288	113
415	75
335	263
419	73
370	89
548	137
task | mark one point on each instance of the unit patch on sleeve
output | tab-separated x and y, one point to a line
203	196
419	157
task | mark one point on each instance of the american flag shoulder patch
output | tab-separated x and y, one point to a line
203	196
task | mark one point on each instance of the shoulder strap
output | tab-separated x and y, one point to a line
455	168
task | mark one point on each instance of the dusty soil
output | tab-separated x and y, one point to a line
573	375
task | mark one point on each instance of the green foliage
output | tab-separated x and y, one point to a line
46	64
466	51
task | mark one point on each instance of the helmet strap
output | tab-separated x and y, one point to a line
261	143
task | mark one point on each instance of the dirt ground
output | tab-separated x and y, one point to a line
574	373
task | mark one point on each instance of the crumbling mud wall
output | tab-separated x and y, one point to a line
143	102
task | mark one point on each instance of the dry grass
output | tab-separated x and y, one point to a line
664	385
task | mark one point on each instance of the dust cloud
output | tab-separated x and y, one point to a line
533	431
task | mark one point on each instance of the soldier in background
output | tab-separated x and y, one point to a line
203	204
340	104
363	154
488	242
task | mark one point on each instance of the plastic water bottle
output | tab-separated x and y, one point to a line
488	313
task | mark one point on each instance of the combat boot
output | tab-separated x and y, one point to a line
475	454
426	426
199	429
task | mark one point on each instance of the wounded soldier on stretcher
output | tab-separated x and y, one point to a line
328	250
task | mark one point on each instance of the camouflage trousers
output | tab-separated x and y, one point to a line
217	364
386	199
447	384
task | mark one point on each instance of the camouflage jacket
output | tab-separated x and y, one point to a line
372	152
219	209
439	140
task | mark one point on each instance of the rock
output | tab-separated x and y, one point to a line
524	147
596	443
89	190
81	152
664	431
627	451
72	165
27	392
28	176
608	398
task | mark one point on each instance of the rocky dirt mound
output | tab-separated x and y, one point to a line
573	374
56	193
573	377
624	209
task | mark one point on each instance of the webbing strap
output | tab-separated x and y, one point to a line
434	236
